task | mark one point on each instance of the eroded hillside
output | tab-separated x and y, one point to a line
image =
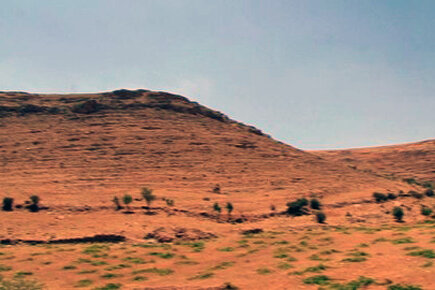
83	149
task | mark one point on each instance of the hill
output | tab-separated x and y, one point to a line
77	151
412	161
85	148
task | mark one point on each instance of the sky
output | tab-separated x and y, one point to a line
315	74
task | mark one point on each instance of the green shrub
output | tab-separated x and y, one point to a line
403	287
34	203
428	184
426	211
320	217
430	254
127	199
8	203
148	195
110	286
429	192
298	207
391	196
217	208
315	203
398	213
410	181
117	203
416	194
380	197
229	207
318	280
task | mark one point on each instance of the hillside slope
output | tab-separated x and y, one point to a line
412	160
85	148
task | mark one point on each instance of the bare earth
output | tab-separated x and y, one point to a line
76	152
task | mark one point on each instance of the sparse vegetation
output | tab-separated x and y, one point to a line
229	207
298	207
217	208
117	203
429	192
320	217
430	254
19	283
318	280
127	199
416	194
380	197
403	287
34	203
426	211
148	195
8	203
398	213
169	202
315	204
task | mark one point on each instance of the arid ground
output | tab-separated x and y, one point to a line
77	152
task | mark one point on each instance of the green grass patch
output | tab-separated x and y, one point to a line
318	280
159	271
423	253
83	283
264	271
165	255
403	287
405	240
226	249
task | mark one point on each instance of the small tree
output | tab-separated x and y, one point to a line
217	208
117	203
148	195
315	203
298	207
34	203
8	203
429	192
169	202
127	199
320	217
229	207
398	213
379	197
426	211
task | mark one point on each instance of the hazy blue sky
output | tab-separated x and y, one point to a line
314	74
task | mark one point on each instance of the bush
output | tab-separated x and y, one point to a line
403	287
298	207
34	203
428	184
117	203
429	192
391	196
229	207
320	217
148	195
416	194
398	213
380	197
8	203
217	208
169	202
127	199
426	211
315	203
410	181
